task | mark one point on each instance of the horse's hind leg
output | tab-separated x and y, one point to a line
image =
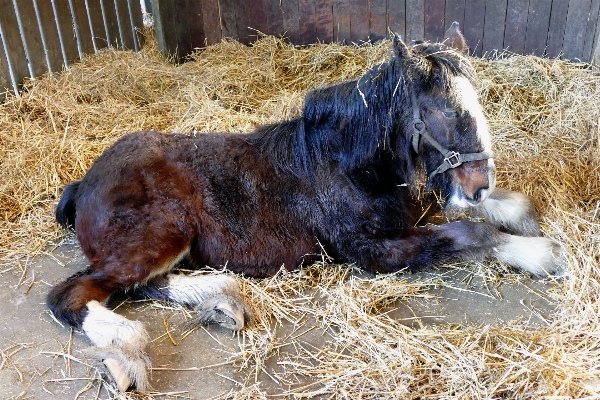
119	342
215	298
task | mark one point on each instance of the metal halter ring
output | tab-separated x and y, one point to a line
451	157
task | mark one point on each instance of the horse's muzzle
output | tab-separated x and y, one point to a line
474	182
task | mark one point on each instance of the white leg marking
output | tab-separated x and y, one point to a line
515	211
511	210
107	328
120	344
194	290
216	298
537	255
467	96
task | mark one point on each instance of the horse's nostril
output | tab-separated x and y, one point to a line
478	195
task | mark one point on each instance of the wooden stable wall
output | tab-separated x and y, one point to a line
37	36
541	27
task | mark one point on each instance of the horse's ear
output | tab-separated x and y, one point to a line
455	39
400	49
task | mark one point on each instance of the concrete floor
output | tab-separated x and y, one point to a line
42	360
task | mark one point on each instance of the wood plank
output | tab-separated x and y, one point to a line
229	10
257	18
124	25
324	29
32	38
164	25
341	21
179	29
590	33
96	20
473	28
434	20
66	30
538	21
243	21
596	54
577	18
178	36
397	17
191	31
14	50
556	30
359	20
291	20
415	20
246	34
210	19
516	25
137	23
308	23
49	33
493	29
378	20
274	18
85	45
455	12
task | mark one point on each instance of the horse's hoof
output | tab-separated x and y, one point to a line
561	269
230	312
118	373
127	368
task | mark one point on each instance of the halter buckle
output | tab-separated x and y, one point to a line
453	159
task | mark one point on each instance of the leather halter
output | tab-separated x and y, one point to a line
452	159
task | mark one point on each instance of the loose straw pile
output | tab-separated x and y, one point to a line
545	118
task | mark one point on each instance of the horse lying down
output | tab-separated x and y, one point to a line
341	176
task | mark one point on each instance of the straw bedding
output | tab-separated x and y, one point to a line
544	115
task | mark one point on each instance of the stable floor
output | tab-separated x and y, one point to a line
41	359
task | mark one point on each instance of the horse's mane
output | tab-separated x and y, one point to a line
348	124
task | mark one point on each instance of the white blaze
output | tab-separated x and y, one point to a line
470	102
468	98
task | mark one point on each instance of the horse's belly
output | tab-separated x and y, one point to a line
261	254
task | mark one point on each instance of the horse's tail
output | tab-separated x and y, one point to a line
65	210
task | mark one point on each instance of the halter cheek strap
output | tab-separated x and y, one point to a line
452	159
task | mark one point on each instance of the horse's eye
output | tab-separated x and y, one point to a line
450	114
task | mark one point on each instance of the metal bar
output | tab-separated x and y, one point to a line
60	36
11	72
76	23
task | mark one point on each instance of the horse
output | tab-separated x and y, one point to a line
341	178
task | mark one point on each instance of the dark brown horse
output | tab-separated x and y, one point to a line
341	176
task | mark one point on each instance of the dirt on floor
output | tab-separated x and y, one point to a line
42	359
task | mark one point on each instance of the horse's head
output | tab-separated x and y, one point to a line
449	130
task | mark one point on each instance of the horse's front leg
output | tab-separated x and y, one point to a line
459	241
510	212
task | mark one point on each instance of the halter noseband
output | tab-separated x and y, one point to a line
452	159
